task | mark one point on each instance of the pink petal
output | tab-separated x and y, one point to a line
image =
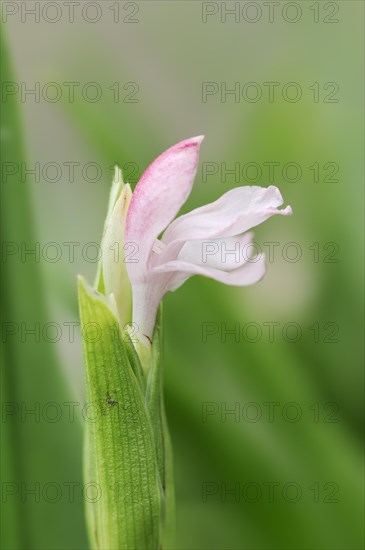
159	195
232	214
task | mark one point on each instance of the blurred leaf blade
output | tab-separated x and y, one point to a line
41	452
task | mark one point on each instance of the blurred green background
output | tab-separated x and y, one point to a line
289	479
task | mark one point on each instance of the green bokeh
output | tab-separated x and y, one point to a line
319	377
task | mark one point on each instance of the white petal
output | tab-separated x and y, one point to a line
232	214
226	254
248	274
146	299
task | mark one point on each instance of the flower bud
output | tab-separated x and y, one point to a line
113	277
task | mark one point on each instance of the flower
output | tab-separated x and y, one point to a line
165	263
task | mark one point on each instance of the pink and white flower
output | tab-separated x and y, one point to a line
166	262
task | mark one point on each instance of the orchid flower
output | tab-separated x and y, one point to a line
166	262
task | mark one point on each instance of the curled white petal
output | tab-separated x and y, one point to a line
235	212
248	274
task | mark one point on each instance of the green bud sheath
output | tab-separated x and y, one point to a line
126	452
